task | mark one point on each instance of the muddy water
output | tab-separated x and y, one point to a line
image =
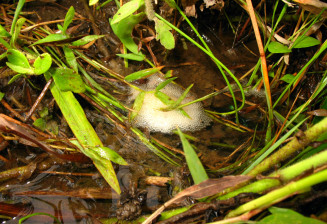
75	193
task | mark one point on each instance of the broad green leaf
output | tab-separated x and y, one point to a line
42	63
126	10
287	216
68	18
288	78
40	123
86	40
20	69
305	41
164	35
109	154
93	2
70	58
82	129
137	105
52	38
68	80
140	74
1	95
193	162
14	78
17	58
278	48
124	28
132	56
3	32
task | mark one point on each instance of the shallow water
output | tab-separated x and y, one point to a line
75	193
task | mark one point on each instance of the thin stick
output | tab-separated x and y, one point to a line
38	100
8	107
263	66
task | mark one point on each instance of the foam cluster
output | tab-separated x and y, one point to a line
152	117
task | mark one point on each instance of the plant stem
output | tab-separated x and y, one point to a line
284	175
297	143
279	194
263	67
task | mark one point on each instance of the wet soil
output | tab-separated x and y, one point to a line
75	192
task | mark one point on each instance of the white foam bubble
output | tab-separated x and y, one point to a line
152	117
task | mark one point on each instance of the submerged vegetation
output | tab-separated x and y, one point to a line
119	102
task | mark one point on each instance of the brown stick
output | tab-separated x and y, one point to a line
261	49
38	100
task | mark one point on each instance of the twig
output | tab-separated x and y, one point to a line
38	100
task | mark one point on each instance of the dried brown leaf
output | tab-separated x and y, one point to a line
204	189
319	112
313	6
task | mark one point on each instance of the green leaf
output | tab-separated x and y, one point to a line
16	33
175	104
20	69
68	80
109	154
286	216
40	123
3	32
164	83
193	162
305	41
124	29
83	130
17	12
138	103
93	2
68	18
278	48
42	63
70	58
17	58
13	79
163	97
86	40
169	74
132	56
1	95
126	10
52	38
140	74
60	28
288	78
164	35
171	3
44	112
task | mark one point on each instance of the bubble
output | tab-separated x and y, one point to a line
152	117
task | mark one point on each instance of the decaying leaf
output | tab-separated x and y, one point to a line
313	6
201	190
319	112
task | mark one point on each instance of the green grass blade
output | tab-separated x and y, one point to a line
17	12
193	162
272	148
83	131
